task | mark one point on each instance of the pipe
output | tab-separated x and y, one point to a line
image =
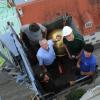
24	58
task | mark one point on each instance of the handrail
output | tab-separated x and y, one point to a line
68	90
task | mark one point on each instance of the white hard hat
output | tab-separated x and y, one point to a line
66	30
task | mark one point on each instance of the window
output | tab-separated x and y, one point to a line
89	24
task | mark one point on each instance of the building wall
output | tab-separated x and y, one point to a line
8	15
46	10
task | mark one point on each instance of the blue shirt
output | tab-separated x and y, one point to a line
46	57
88	64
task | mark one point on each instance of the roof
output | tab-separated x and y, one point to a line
46	10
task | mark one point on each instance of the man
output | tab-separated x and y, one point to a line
86	65
34	31
46	82
87	62
72	42
46	56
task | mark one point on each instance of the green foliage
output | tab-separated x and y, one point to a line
75	95
1	62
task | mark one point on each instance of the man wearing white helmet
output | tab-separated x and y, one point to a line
72	42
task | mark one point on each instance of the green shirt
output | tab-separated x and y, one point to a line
75	46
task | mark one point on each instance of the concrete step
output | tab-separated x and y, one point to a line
10	90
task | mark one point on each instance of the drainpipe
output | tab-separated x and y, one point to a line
24	58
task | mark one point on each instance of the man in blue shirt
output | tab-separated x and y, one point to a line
46	56
86	65
87	62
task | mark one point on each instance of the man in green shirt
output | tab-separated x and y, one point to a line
72	42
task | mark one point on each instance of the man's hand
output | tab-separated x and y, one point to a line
64	46
82	73
70	57
44	70
87	73
78	65
77	57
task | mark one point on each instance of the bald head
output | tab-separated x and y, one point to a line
44	43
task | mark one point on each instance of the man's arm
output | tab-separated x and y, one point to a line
79	55
81	46
88	73
78	62
43	29
43	68
92	69
40	60
69	55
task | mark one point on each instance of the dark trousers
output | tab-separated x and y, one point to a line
53	69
